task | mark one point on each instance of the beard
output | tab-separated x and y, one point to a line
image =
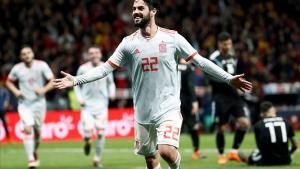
142	22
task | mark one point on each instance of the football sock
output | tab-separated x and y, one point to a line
87	139
157	167
220	142
87	134
4	122
238	138
176	164
99	146
195	139
29	145
36	141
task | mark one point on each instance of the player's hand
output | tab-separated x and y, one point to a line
65	82
195	107
39	91
240	83
82	103
112	98
19	94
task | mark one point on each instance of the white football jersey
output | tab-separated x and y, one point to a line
96	94
153	65
31	78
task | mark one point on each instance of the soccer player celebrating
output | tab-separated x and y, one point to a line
152	55
226	100
93	98
272	135
32	76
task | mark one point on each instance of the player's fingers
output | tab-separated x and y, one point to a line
247	88
247	85
61	86
242	89
239	76
57	81
64	73
246	82
57	84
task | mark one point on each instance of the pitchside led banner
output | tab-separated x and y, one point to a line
66	125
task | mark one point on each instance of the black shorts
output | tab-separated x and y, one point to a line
223	108
256	158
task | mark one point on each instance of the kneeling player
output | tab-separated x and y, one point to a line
93	98
272	135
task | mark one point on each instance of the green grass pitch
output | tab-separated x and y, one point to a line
119	155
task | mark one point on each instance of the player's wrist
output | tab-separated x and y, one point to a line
43	90
229	80
75	81
18	93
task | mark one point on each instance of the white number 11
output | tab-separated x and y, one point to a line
272	125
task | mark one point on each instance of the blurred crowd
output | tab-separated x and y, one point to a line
266	34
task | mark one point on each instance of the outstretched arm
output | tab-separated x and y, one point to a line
92	75
215	71
185	50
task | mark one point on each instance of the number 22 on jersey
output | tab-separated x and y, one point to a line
149	64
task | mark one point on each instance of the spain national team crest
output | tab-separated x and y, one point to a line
162	47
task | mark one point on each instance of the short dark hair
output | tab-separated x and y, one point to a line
153	4
95	46
25	46
223	36
265	106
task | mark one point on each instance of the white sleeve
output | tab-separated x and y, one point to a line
94	74
120	56
212	69
77	89
183	48
118	59
47	71
111	86
13	74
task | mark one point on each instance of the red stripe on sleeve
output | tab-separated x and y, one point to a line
191	56
113	65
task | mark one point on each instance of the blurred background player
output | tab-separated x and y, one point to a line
227	101
151	54
189	105
4	102
34	81
94	98
272	136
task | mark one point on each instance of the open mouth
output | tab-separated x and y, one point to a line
137	18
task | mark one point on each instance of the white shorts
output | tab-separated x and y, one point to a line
90	120
33	115
166	131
